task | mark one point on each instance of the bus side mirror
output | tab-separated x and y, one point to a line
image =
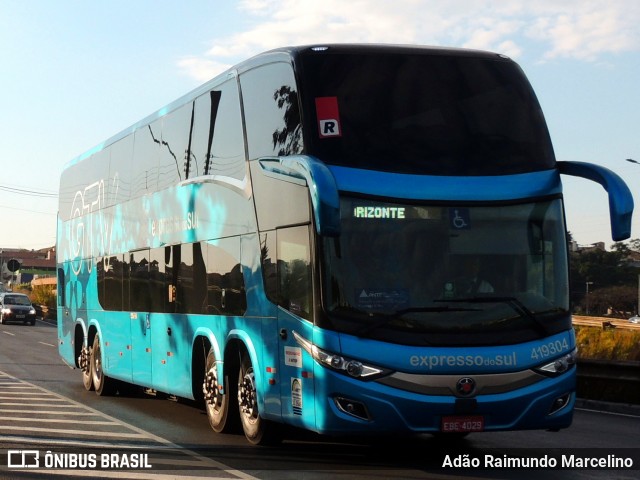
620	198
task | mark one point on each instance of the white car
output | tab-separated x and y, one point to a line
635	319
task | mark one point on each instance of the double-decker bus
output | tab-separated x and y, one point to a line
348	239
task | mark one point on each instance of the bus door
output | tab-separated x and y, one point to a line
65	320
294	315
140	320
177	273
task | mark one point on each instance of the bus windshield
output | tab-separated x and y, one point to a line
446	275
423	113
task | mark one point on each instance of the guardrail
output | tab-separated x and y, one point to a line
609	381
605	322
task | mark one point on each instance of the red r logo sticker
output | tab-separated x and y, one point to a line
328	117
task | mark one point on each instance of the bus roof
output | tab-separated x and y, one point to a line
291	54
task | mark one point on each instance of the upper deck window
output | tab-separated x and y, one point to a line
418	112
272	117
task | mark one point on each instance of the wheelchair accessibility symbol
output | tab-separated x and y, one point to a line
459	218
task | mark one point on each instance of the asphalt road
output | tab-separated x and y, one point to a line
44	408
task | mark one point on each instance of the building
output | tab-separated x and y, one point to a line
30	263
574	247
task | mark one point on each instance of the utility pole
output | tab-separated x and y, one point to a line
631	160
587	297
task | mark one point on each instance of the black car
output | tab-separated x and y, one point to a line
16	307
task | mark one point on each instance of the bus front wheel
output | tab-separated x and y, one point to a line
103	385
216	397
257	430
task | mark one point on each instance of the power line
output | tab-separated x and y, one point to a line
30	211
33	193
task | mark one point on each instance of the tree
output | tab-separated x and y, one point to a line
604	270
619	301
632	246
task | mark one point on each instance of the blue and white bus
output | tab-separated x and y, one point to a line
348	239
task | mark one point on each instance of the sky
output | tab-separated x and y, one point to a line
73	73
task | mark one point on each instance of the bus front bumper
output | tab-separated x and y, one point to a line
355	407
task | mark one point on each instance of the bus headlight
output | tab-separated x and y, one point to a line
334	361
559	365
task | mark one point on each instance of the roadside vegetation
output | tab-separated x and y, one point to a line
43	298
608	343
605	283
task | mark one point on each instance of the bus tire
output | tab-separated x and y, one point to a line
102	384
222	414
85	368
257	430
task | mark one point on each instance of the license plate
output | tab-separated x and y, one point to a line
468	423
19	316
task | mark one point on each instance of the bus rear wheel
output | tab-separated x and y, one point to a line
84	362
257	430
222	414
103	385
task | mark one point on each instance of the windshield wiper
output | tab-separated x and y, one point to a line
385	318
513	302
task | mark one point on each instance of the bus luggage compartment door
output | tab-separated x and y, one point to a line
141	348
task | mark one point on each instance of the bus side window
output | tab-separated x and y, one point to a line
110	281
146	153
174	149
217	145
62	301
139	281
120	155
272	112
225	283
191	279
269	264
160	279
294	270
